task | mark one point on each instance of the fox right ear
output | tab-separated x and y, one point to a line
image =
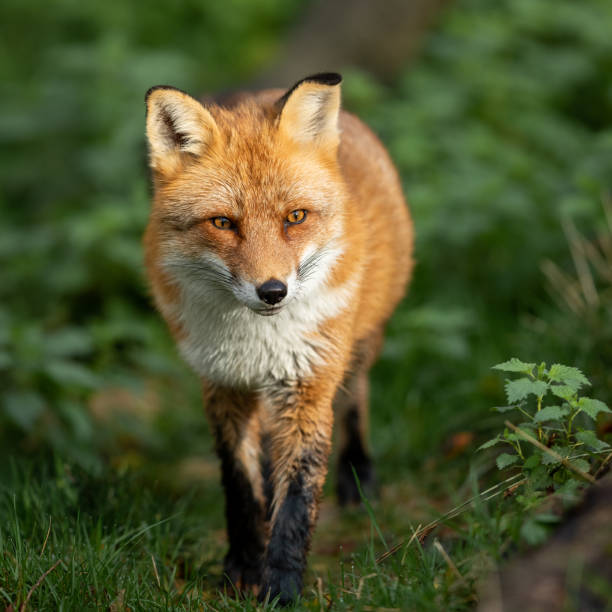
178	128
309	111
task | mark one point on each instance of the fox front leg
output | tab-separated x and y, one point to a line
300	442
235	422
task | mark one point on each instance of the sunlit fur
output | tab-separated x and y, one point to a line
272	371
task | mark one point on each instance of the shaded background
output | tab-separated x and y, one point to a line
496	114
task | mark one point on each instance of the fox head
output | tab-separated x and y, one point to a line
249	201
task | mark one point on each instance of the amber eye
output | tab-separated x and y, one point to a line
296	216
222	223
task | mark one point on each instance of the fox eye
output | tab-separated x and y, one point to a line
222	223
296	216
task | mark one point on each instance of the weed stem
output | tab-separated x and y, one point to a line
568	464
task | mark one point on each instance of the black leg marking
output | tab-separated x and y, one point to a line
266	472
354	455
245	525
286	558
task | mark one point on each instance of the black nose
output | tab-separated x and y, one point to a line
272	291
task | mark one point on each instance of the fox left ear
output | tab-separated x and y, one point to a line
178	128
309	110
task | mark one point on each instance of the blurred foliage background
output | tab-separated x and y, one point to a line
501	129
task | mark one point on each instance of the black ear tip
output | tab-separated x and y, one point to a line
324	78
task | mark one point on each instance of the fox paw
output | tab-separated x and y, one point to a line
286	585
244	577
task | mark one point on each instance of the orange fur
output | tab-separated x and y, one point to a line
254	162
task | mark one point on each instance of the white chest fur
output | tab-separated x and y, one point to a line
229	344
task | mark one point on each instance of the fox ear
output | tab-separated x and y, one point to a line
309	110
178	127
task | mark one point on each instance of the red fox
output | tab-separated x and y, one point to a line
278	245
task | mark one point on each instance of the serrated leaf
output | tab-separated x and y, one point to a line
548	459
539	477
589	438
581	464
515	365
505	459
517	390
551	413
532	462
489	443
592	407
572	377
563	391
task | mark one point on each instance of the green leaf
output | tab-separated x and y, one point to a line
550	460
548	518
592	407
531	498
539	477
551	413
71	373
515	365
505	459
532	462
489	443
572	377
533	532
23	407
581	464
569	490
70	341
563	391
517	390
589	438
513	437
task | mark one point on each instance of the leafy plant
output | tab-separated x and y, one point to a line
554	444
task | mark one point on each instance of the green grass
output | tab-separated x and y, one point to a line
112	536
126	540
149	534
145	531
